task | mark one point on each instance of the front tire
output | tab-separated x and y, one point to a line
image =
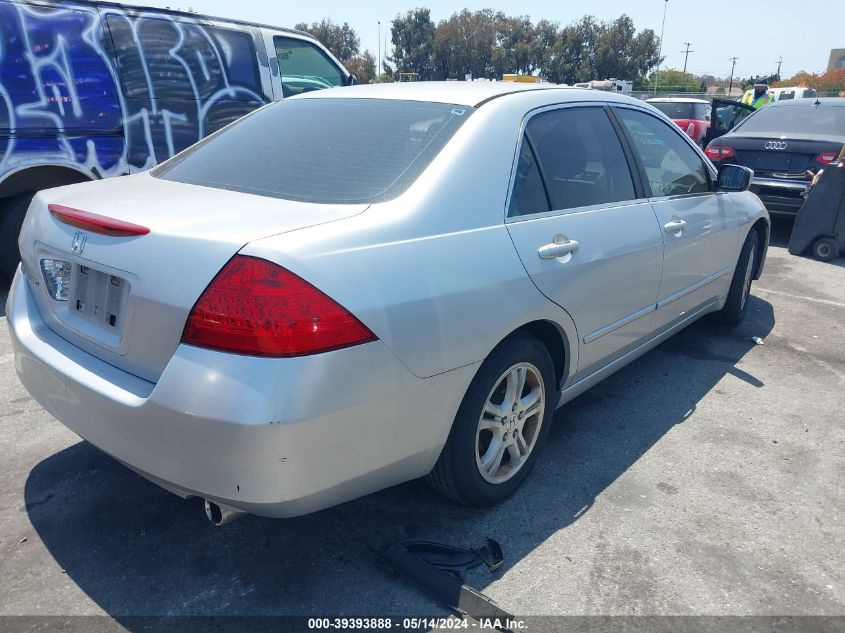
12	212
825	249
734	311
501	425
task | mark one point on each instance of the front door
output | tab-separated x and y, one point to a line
699	226
587	238
725	115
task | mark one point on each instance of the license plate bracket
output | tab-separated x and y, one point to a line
98	297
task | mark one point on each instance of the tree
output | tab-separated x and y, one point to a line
464	44
341	40
590	49
545	36
675	81
570	58
363	66
412	36
830	81
515	49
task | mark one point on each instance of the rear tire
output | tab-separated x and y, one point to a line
501	425
734	311
12	212
825	249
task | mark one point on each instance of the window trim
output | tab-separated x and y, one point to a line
709	169
522	138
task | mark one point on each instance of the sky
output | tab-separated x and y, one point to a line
757	32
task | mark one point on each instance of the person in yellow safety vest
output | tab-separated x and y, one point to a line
757	97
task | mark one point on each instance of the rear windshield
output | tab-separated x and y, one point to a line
689	111
325	151
803	119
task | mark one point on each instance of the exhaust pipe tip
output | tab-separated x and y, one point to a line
221	515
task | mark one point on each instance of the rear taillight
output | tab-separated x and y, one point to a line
258	308
826	158
719	152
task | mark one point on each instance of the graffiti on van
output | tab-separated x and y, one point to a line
110	91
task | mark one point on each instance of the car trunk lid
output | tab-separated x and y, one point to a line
129	295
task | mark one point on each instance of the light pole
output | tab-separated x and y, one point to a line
378	70
660	48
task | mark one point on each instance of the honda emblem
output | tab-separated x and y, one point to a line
78	243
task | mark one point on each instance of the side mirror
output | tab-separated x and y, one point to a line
734	178
352	81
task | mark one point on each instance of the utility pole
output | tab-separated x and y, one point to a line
660	48
378	70
780	61
733	65
686	55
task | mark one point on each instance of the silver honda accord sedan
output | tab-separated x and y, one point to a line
357	287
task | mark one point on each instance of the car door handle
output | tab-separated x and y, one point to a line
674	225
560	247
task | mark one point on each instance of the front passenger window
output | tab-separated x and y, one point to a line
304	67
673	167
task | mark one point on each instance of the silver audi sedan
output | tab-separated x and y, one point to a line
357	287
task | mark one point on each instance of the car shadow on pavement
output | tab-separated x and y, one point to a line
135	549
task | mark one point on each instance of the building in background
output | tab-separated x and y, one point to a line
837	59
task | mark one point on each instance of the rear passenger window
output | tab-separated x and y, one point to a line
528	195
580	158
672	167
177	61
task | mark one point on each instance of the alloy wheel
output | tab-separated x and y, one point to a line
510	423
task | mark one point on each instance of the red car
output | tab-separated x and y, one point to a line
691	115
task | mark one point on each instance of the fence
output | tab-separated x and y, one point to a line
648	94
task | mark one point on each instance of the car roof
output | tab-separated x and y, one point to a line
466	93
838	102
676	100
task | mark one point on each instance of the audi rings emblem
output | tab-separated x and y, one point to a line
775	145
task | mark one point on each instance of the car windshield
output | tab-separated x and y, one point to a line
803	119
676	110
325	151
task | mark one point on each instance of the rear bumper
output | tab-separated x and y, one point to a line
275	437
781	197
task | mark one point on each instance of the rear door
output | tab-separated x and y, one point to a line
584	233
700	227
725	115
